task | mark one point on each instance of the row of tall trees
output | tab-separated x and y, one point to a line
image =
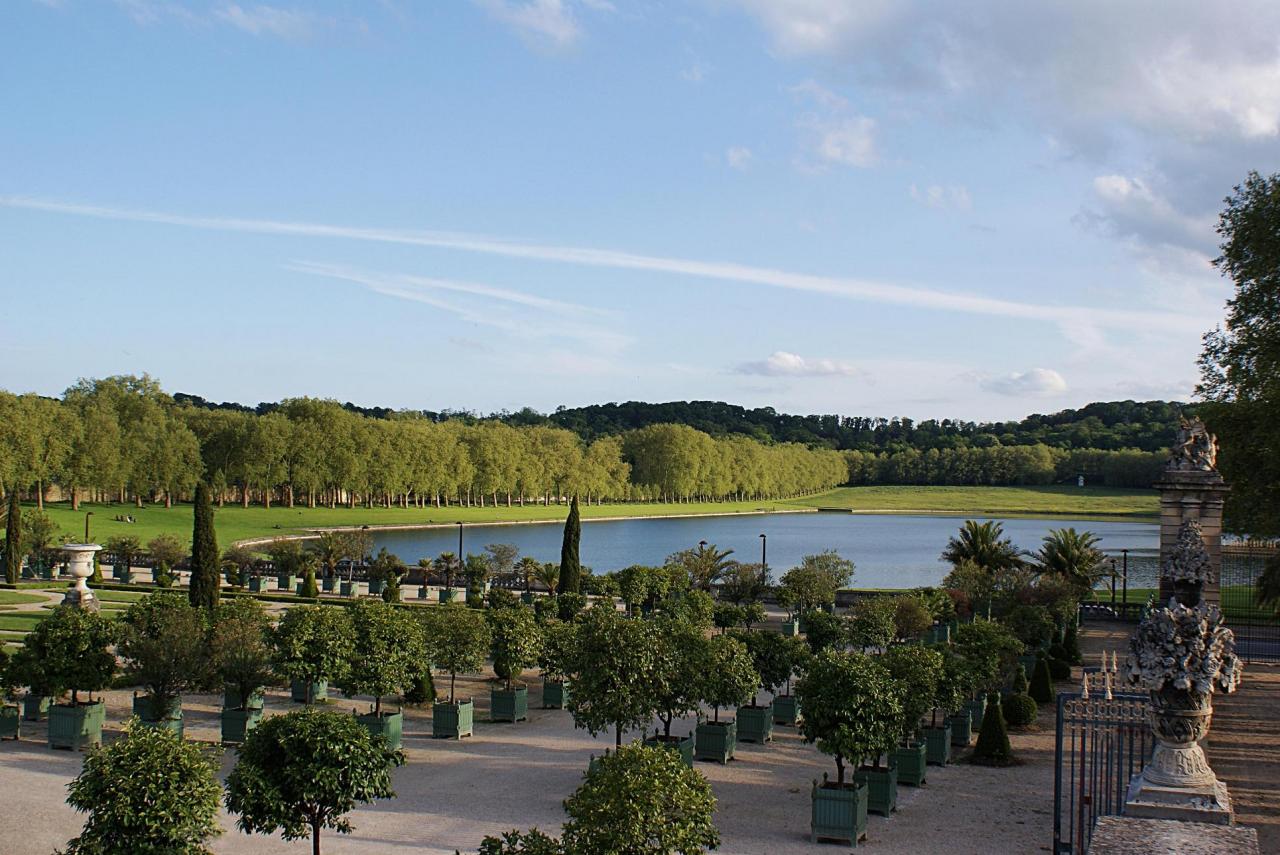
1004	465
123	437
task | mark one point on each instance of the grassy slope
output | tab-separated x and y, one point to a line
236	523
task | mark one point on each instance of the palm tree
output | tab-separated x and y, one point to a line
446	565
527	567
329	549
1074	557
705	565
986	546
549	575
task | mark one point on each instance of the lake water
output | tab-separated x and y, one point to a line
890	551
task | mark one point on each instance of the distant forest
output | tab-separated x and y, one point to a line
1107	425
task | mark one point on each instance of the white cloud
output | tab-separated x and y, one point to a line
833	133
696	73
783	364
952	196
1035	383
542	23
1152	320
738	156
260	20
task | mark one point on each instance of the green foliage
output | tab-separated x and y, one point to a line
773	656
1041	689
162	641
558	644
956	683
1019	710
314	643
67	651
1073	557
422	689
1033	625
985	545
39	532
166	551
237	561
457	639
615	672
911	617
682	660
1267	588
569	605
515	842
727	615
991	649
872	623
993	748
1020	684
204	589
814	582
301	773
852	709
148	793
516	642
501	598
570	565
389	648
916	671
641	800
1059	669
693	607
309	590
825	632
390	570
701	567
1240	364
642	586
238	645
744	583
13	539
1071	639
938	602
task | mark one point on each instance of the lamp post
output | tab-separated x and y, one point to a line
1124	579
86	525
764	550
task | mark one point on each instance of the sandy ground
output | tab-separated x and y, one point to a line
450	794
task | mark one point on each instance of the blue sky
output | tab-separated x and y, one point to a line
881	208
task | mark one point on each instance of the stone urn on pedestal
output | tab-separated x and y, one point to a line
1181	654
80	566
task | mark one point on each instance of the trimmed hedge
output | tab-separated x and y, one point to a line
1041	683
1019	710
993	747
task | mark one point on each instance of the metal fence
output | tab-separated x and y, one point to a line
1102	742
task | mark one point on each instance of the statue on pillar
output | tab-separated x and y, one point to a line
1195	449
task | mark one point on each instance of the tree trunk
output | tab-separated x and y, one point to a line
617	735
315	837
839	771
40	494
75	499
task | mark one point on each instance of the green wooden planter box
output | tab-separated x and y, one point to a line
961	725
236	724
287	583
345	588
791	627
1028	662
36	707
594	762
319	691
976	709
10	721
910	761
882	788
452	721
376	586
447	595
839	814
681	744
527	598
555	694
755	724
231	699
122	573
938	744
46	571
329	584
715	741
786	710
388	725
258	584
149	716
509	704
939	633
77	726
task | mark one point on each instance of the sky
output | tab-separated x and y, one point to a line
922	209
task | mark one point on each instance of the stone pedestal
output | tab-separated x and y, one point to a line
1196	496
80	566
1122	835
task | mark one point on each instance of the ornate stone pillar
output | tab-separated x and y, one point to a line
80	565
1191	490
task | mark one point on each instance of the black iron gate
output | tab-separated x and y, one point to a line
1257	628
1101	743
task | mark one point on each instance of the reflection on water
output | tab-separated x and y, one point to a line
890	551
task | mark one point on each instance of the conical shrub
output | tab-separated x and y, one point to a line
1041	683
993	747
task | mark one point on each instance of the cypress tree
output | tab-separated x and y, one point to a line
1041	682
993	747
570	566
13	540
204	590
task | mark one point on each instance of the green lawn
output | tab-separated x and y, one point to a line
993	501
14	598
236	523
21	622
